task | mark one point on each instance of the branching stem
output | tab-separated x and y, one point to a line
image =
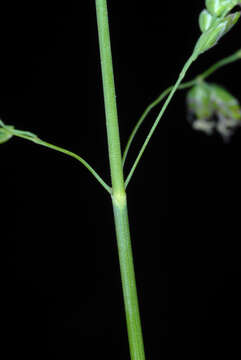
34	138
228	60
180	78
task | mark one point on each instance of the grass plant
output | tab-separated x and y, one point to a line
215	21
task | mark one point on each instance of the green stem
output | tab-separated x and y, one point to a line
228	60
113	137
128	280
31	137
147	111
119	200
175	87
80	159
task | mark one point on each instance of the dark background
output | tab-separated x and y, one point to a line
60	282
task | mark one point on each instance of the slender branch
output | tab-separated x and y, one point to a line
147	111
228	60
80	159
34	138
180	78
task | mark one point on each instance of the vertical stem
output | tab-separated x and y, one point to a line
110	98
128	280
119	200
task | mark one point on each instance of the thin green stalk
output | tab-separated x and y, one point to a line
228	60
34	138
119	200
80	159
175	87
147	111
112	127
133	320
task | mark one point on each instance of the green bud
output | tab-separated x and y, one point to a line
214	108
205	20
228	111
4	134
219	7
201	108
199	101
225	103
217	30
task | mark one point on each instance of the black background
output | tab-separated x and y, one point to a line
60	281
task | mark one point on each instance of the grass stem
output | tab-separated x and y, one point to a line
119	200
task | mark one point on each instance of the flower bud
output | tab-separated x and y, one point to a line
205	20
217	30
199	101
200	108
219	7
225	103
228	111
212	108
4	134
